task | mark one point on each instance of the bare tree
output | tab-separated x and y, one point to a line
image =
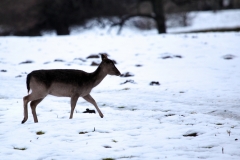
22	17
19	16
31	17
157	15
158	9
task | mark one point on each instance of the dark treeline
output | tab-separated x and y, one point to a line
31	17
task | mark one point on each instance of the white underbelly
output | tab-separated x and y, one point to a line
67	90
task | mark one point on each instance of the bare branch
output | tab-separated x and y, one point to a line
123	20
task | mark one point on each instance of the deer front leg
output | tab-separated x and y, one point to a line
92	101
73	104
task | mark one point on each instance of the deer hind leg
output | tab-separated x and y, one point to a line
73	104
28	98
33	105
92	101
25	112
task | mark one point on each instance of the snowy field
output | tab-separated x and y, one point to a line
193	114
210	20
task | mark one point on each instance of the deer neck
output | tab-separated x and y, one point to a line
98	75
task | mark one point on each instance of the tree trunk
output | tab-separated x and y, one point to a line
62	29
159	15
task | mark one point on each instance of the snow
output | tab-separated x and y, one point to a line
198	93
210	20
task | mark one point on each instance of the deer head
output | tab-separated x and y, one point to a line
108	66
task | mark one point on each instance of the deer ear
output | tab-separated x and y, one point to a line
104	57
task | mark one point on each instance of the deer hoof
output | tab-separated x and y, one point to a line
24	120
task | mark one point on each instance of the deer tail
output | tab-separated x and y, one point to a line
28	81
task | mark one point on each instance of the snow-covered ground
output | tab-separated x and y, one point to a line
198	96
210	20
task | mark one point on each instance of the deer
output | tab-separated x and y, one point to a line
65	83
